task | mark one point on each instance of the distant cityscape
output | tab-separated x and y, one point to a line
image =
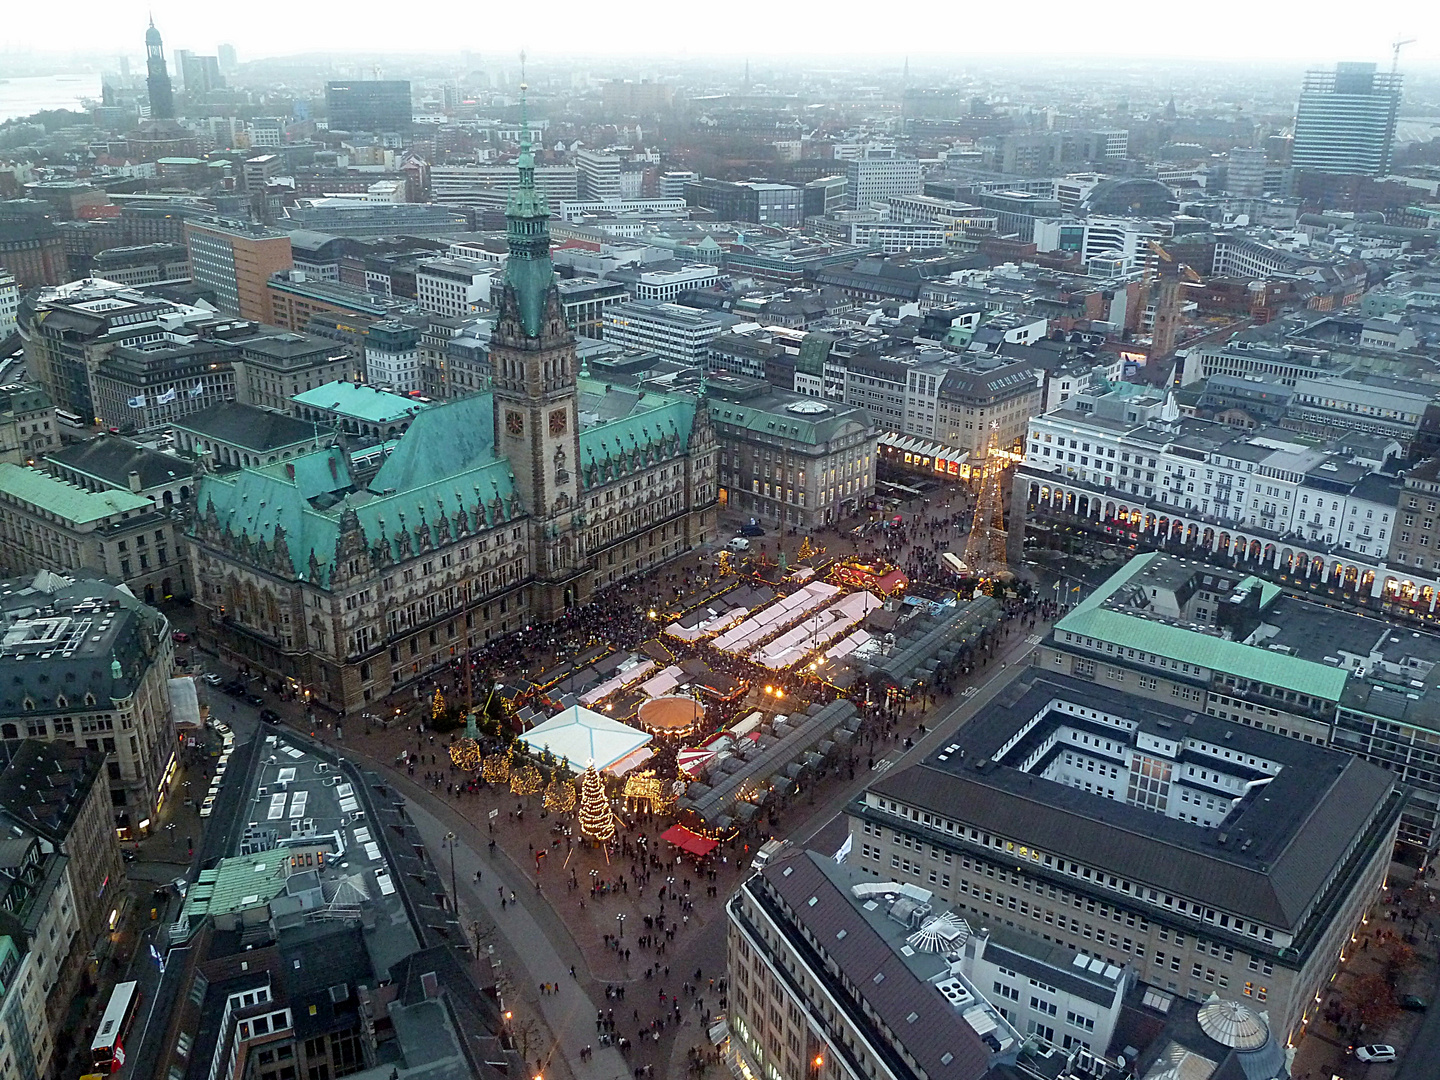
963	538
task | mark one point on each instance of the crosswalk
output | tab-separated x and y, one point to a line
882	765
1032	639
969	692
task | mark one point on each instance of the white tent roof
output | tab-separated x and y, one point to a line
184	701
579	736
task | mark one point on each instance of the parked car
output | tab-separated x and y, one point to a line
179	635
1375	1052
211	679
181	662
270	716
738	543
235	688
751	530
254	699
1412	1003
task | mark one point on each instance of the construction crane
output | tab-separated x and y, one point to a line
1395	53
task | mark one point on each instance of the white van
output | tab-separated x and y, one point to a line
739	543
767	853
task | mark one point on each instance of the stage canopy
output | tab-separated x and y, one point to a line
686	840
578	736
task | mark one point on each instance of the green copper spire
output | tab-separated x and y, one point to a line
528	270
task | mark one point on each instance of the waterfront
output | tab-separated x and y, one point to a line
27	96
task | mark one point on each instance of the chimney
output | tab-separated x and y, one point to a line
134	479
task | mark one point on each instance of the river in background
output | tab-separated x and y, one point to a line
27	96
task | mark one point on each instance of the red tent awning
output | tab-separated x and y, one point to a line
686	840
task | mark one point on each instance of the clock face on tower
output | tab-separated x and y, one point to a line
557	422
514	422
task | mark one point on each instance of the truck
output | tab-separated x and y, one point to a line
767	853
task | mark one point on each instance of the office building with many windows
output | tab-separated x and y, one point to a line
879	175
1241	649
379	105
85	663
835	976
235	261
788	458
678	333
1345	120
1208	856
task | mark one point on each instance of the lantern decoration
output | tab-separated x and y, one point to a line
525	780
596	818
808	551
644	785
496	769
560	796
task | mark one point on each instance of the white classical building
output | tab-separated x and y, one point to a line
1124	461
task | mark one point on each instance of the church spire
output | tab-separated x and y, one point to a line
528	270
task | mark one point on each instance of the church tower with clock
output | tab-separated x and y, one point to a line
533	372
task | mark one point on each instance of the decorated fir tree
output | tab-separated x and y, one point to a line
437	706
596	818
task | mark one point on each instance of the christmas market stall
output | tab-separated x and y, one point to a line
577	735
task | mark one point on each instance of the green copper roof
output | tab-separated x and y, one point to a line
1092	619
441	442
528	271
442	478
627	429
67	501
235	884
361	402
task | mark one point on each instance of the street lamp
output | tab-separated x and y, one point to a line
449	841
620	918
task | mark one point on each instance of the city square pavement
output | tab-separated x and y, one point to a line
583	970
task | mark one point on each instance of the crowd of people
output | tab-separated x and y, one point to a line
657	891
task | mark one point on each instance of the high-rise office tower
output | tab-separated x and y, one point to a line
162	97
369	105
1345	121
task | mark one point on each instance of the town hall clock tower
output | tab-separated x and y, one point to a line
533	369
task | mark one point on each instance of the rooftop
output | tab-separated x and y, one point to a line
69	502
1113	614
72	645
111	459
253	428
910	1001
1265	854
358	401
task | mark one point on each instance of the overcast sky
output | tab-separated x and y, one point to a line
1122	30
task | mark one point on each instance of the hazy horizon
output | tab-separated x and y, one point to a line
1129	34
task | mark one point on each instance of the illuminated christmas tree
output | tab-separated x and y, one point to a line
465	752
596	818
496	769
525	780
560	796
437	706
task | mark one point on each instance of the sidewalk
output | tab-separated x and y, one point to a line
569	1013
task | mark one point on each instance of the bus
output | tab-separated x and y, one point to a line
107	1051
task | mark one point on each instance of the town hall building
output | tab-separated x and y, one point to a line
491	512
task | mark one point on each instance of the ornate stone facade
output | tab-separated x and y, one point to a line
493	511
